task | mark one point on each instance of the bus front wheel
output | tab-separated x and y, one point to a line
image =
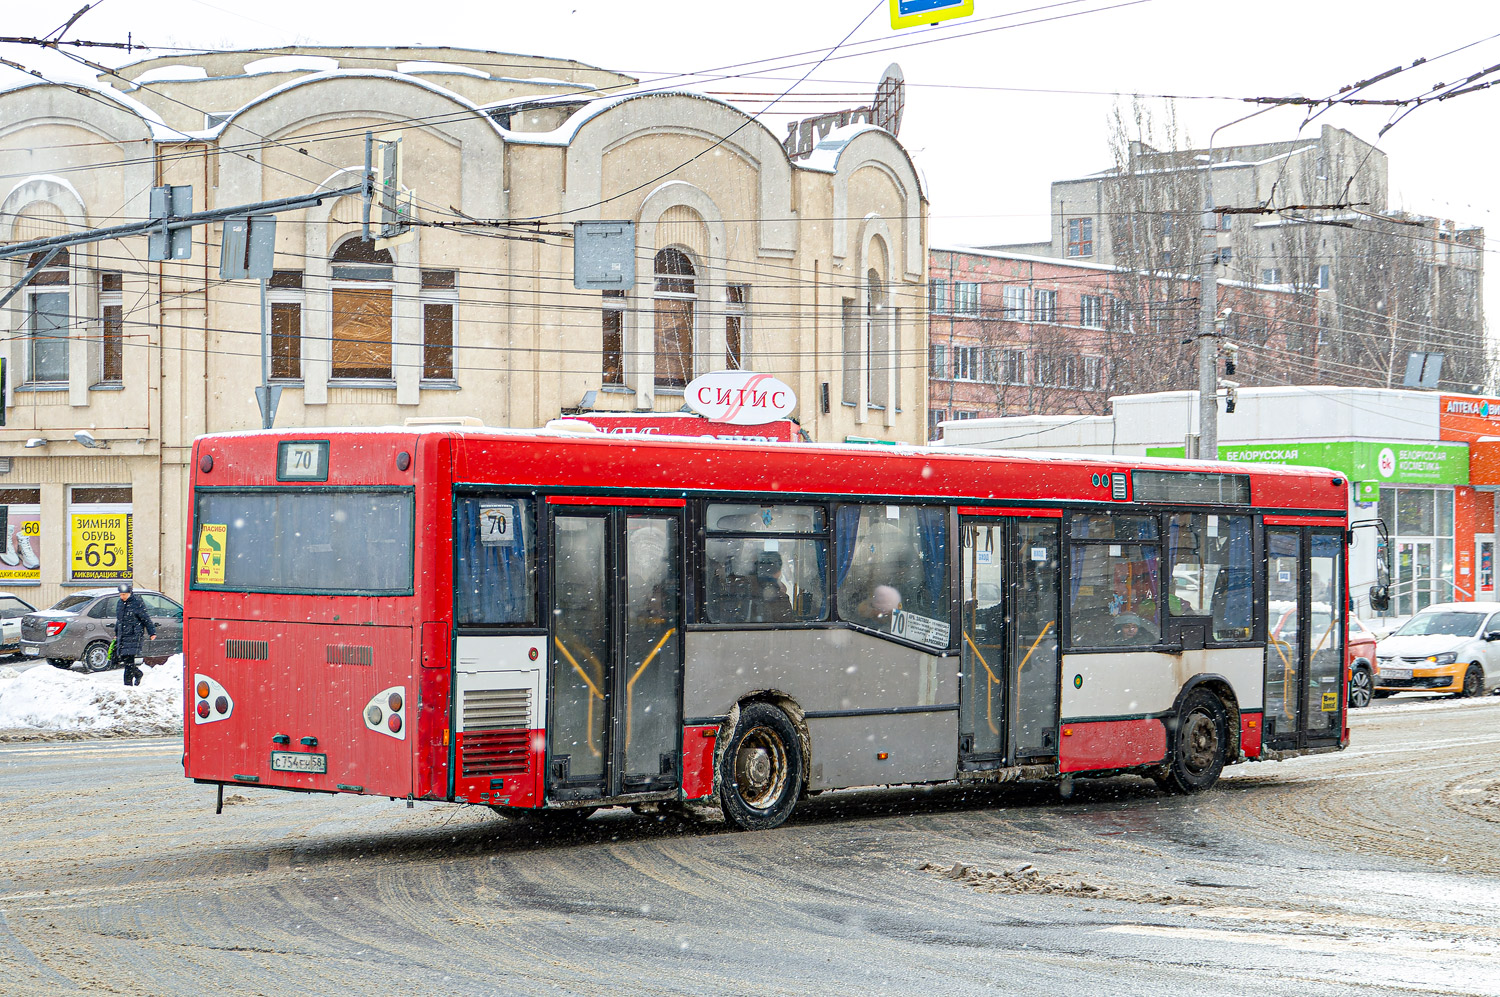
1199	745
760	769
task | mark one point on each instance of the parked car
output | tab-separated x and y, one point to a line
1359	651
81	626
12	608
1364	663
1449	647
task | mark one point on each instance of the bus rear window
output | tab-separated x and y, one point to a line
343	542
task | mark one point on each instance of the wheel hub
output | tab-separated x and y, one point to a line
760	768
1200	738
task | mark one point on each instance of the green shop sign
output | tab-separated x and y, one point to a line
1394	463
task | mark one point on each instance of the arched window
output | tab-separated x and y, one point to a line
362	310
47	320
675	293
877	340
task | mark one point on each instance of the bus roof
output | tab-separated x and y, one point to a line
707	465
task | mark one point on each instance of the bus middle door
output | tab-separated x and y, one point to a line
1009	683
616	680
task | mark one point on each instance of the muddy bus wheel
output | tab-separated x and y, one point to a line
760	771
1198	747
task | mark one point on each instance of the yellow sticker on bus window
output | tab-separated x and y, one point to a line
1330	702
212	541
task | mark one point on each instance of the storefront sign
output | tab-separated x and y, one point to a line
1468	417
740	397
779	431
101	546
1392	463
20	561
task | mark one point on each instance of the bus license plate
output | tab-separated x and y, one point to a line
1395	673
298	761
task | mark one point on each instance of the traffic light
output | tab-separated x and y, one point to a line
393	204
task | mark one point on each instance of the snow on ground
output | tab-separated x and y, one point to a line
48	700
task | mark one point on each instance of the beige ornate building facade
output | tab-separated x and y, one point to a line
813	272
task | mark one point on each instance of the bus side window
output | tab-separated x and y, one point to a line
494	570
893	562
765	564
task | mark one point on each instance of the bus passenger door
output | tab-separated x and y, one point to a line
616	723
1305	665
1008	685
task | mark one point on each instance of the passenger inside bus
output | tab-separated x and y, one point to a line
878	609
772	602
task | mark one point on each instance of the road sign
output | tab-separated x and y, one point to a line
911	13
249	247
170	244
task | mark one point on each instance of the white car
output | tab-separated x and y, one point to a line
12	608
1450	647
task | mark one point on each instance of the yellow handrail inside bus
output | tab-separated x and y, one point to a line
989	685
1033	648
1288	672
589	718
630	686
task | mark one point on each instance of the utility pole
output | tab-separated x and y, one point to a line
1208	306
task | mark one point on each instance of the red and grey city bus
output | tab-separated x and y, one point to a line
547	622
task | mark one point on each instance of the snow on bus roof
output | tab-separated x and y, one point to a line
1113	461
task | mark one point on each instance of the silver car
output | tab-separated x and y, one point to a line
81	626
12	608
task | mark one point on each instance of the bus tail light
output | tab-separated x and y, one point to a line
385	713
213	701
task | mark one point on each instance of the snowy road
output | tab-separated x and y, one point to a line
1376	869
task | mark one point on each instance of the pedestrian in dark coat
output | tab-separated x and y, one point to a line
131	620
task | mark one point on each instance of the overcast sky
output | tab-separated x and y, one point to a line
987	153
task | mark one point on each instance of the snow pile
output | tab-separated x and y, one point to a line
47	699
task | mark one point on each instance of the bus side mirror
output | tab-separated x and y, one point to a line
1380	598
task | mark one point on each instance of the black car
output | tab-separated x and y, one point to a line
81	626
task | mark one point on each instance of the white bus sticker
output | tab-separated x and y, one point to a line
497	524
922	629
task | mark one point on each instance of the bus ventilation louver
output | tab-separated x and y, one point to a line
497	752
497	709
247	650
385	713
350	654
497	735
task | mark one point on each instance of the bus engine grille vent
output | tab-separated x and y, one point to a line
350	654
497	709
496	752
247	650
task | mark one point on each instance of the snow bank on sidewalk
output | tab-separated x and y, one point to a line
47	699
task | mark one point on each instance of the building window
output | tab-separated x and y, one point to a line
966	297
1224	221
676	295
877	341
1225	255
1014	304
22	519
849	316
112	328
1325	277
1013	366
937	360
736	305
1044	306
612	317
439	298
1119	315
362	296
1091	311
966	360
1093	373
1080	237
100	545
937	296
1270	275
1166	224
285	296
934	419
47	320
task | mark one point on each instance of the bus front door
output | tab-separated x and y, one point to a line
615	712
1008	686
1304	680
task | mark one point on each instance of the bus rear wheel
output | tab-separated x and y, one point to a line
760	769
1199	746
